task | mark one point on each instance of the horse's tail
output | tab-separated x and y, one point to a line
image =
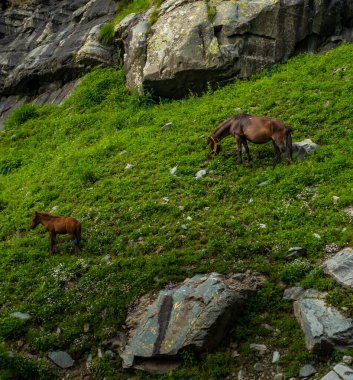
289	147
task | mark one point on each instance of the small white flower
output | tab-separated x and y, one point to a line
316	235
128	166
173	170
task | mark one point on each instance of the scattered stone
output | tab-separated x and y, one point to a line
258	347
106	258
347	359
264	183
235	354
304	148
88	361
331	248
317	236
194	314
295	252
340	371
59	330
86	327
241	375
109	353
335	199
19	315
261	225
275	357
268	327
61	359
279	376
173	171
200	173
349	210
307	371
238	110
184	227
189	218
293	294
340	267
167	126
259	367
326	104
99	352
324	327
128	166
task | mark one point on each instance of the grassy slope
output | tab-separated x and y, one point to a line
72	159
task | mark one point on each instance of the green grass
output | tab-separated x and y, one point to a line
73	160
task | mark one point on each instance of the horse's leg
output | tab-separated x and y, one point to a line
239	150
277	153
245	143
52	242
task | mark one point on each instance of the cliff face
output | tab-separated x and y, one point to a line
46	44
196	42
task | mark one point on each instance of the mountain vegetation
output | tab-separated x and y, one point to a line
104	158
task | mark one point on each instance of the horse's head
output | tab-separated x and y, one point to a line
35	220
215	145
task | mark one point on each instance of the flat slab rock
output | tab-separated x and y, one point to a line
61	359
195	313
325	327
340	267
340	371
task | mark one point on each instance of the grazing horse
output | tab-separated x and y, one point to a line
58	225
256	129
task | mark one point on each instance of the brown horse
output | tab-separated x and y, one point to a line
58	225
256	129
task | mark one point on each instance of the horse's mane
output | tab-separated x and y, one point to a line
46	215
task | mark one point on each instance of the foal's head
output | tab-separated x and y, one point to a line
215	145
35	220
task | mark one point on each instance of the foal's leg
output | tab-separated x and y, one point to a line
52	242
248	155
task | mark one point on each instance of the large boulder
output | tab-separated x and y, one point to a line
194	43
196	314
340	267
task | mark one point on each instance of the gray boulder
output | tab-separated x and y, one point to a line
186	48
325	327
341	371
340	267
195	314
304	148
61	359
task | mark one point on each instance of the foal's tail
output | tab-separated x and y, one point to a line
289	147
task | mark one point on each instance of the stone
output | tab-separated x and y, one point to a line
241	375
185	50
304	148
295	252
347	359
275	357
340	267
344	371
325	328
195	313
173	170
19	315
261	348
167	126
279	376
259	367
106	258
307	371
200	173
293	294
61	359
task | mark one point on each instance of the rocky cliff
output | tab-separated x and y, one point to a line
195	42
46	44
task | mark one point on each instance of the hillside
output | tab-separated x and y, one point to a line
103	157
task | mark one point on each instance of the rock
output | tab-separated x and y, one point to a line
295	252
275	357
173	170
61	359
167	126
293	294
335	199
194	314
43	47
325	328
200	173
340	267
279	376
185	49
264	183
86	327
89	360
19	315
241	375
304	148
106	258
331	248
347	359
340	371
307	370
128	166
259	367
261	348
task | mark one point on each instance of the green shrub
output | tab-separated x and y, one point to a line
295	271
20	115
